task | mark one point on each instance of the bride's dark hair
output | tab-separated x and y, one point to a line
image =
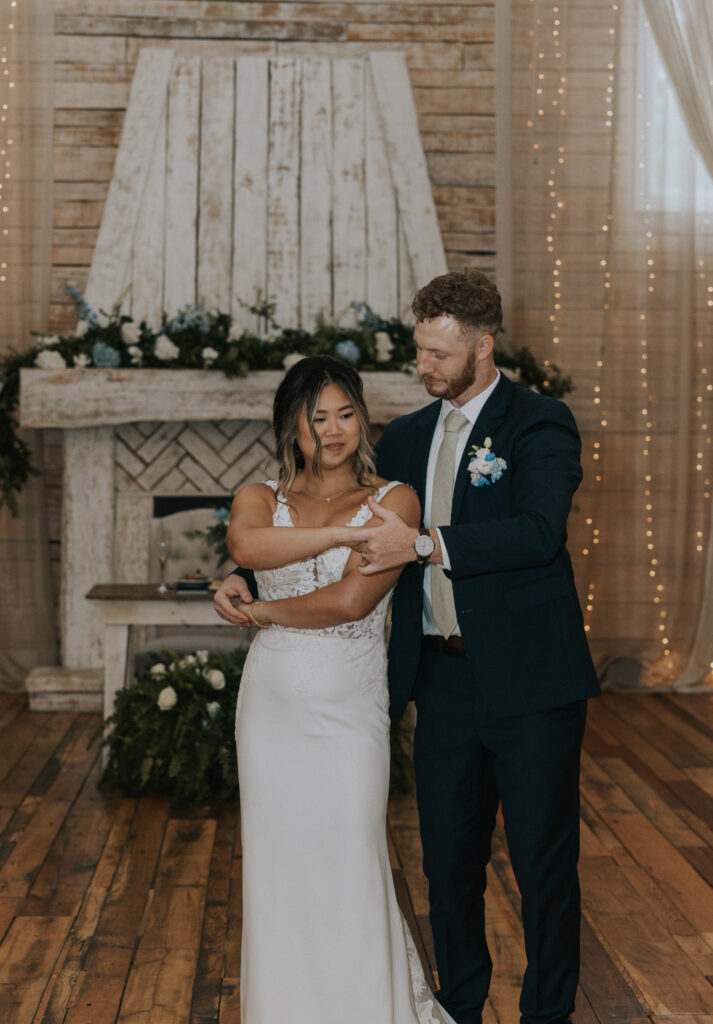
300	389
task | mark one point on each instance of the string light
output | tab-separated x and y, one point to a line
7	83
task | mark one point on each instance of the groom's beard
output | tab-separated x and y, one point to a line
451	387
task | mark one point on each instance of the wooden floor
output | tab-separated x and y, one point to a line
125	910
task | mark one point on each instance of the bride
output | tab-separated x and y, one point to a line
323	940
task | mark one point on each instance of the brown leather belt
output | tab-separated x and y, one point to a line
452	643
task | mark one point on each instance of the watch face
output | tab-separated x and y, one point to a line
424	546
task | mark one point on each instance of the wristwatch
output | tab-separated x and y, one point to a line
424	545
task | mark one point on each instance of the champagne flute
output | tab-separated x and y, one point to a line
162	559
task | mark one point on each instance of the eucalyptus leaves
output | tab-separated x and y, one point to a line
196	338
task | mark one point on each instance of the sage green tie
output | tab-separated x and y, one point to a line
442	604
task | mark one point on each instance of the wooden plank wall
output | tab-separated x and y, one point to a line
450	55
449	51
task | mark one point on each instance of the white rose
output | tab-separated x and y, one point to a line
130	332
213	707
289	361
50	361
49	339
482	463
384	347
159	669
209	355
167	698
202	657
135	353
81	361
216	678
190	659
165	350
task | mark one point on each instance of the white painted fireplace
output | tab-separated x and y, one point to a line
131	436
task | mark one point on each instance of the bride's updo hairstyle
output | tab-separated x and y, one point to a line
300	389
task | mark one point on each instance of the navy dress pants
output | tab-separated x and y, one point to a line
467	762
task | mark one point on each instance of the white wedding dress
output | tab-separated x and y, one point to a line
323	940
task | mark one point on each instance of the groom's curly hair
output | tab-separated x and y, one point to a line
467	295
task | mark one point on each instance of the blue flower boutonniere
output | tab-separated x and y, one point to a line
485	467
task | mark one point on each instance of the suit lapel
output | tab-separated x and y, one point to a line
421	446
486	424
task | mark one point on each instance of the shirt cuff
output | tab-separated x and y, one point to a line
445	560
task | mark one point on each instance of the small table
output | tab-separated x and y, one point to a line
125	605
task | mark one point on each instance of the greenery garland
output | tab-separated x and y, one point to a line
173	732
196	338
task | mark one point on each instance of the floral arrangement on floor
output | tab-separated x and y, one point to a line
173	731
196	338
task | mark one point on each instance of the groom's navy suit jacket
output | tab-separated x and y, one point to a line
513	585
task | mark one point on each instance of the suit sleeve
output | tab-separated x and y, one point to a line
546	472
248	575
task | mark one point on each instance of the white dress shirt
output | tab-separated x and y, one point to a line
471	410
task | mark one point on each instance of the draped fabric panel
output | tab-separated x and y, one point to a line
27	629
613	278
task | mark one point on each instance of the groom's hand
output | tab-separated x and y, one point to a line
232	592
384	546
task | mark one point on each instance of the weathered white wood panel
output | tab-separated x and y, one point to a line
408	165
147	258
134	513
182	184
309	170
382	278
283	191
216	183
143	117
87	546
407	278
316	192
348	213
70	399
250	188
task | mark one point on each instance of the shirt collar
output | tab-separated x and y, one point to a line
471	409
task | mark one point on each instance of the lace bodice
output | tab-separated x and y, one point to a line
305	576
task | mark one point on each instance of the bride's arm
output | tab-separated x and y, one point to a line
254	543
354	595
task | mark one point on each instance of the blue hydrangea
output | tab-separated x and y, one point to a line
368	316
348	350
105	356
221	514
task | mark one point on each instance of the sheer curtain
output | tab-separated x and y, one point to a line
27	635
613	207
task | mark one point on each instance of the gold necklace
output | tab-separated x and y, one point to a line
320	498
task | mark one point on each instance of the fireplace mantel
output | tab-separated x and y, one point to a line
76	399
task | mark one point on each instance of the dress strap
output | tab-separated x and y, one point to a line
383	491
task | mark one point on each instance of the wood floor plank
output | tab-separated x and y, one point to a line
125	905
648	801
639	718
205	1003
30	951
664	976
605	986
72	981
11	705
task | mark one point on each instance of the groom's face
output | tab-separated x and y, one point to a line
447	357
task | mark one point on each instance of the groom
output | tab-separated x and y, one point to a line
487	638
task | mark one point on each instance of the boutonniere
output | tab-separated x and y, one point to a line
485	467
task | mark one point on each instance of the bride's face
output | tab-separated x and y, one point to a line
335	424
